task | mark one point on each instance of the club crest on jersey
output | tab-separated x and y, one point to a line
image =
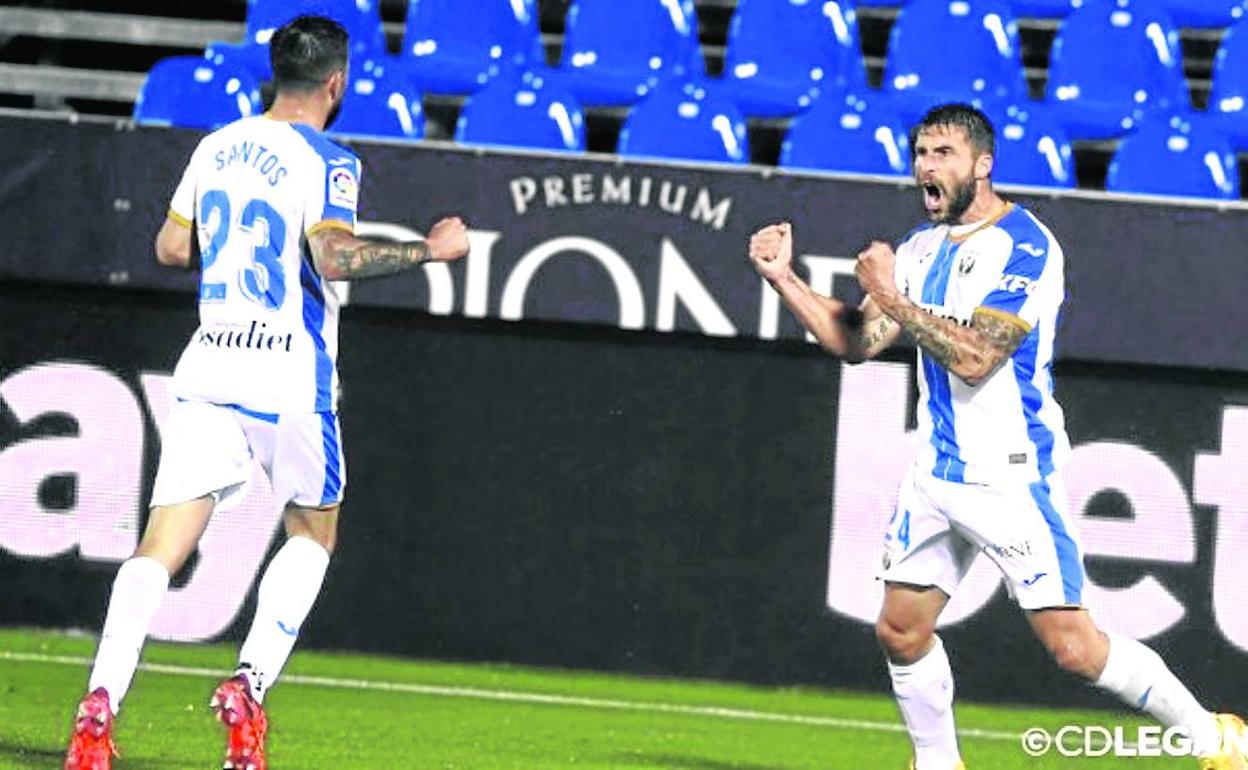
343	187
966	263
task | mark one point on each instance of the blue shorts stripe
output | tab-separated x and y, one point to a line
333	458
1068	561
268	417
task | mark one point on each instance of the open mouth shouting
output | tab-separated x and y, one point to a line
933	196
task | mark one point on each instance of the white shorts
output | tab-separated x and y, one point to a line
939	527
207	449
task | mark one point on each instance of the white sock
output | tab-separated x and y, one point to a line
924	692
287	590
1141	679
137	590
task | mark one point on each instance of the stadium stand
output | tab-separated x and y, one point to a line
361	18
689	120
1206	13
91	56
1166	157
1113	62
609	63
189	91
1032	147
848	133
453	52
983	68
381	102
523	107
783	53
1041	9
1228	101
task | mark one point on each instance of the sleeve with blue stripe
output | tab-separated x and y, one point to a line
1016	290
334	190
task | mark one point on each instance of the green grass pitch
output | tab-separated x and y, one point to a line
357	711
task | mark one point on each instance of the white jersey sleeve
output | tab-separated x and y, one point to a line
331	200
182	206
1015	286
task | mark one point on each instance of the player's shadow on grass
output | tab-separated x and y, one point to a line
18	755
669	762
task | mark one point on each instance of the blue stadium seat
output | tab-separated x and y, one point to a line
782	54
188	91
252	57
453	51
614	63
688	119
523	107
361	18
1165	156
1041	9
983	68
1111	62
1228	100
381	103
1206	13
1032	148
848	133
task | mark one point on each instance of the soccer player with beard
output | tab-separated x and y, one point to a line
269	203
978	290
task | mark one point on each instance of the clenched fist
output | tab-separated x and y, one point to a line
448	239
771	251
875	269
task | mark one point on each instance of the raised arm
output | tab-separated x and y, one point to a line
341	256
854	334
970	353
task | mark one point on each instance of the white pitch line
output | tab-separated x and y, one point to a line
512	696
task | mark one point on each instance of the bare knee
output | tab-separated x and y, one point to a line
173	531
317	524
902	645
171	556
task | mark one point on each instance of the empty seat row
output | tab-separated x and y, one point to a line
784	58
696	119
1111	62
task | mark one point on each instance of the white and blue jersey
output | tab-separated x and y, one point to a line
1008	427
267	341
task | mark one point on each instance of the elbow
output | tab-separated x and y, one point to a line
172	257
328	269
972	376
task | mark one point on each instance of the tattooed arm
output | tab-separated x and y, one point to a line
854	334
340	256
970	353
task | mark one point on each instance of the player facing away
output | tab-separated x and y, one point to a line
270	205
978	289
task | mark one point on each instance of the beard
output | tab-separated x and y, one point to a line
959	198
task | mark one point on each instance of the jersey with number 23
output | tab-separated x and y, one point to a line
267	340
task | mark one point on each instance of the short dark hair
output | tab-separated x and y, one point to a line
306	50
976	124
